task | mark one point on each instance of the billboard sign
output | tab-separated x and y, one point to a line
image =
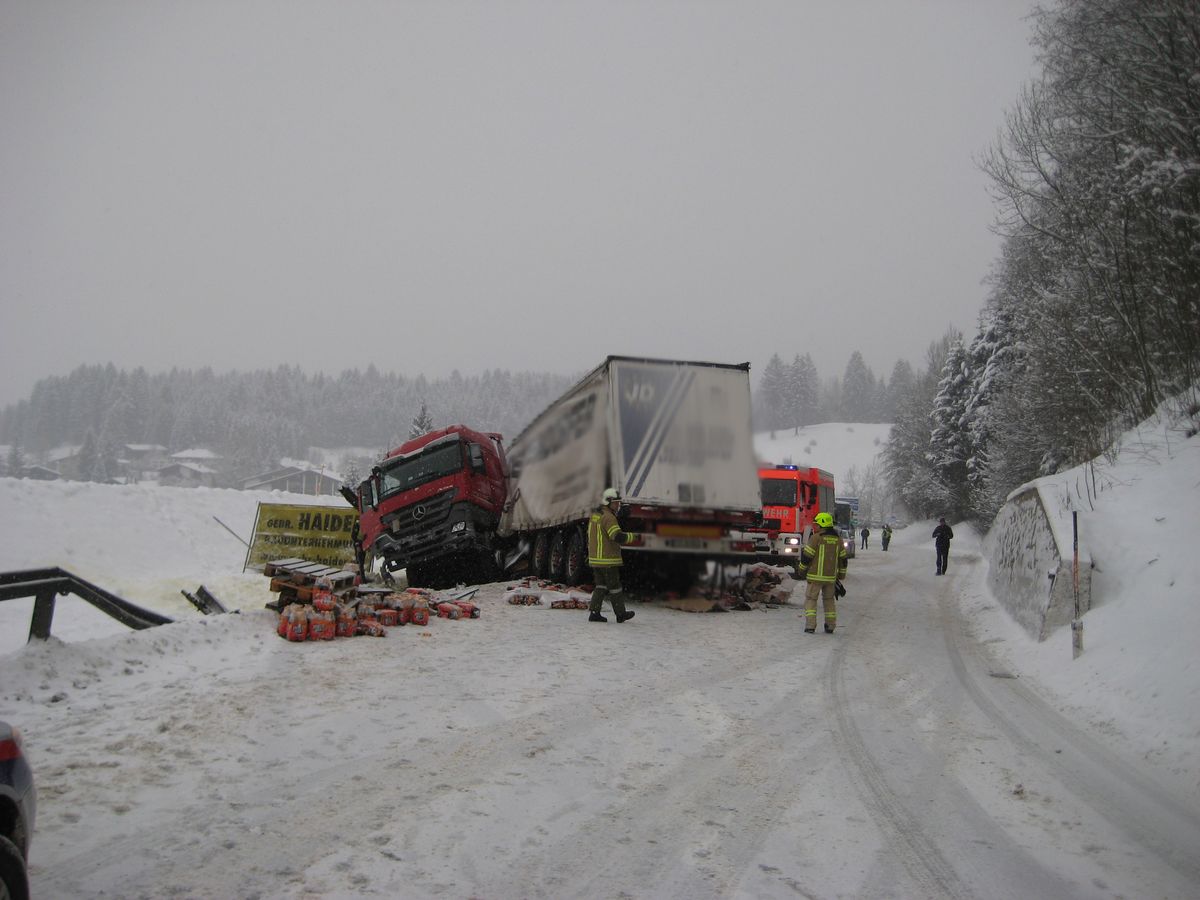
319	534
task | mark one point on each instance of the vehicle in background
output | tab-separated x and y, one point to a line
791	498
672	437
845	519
18	810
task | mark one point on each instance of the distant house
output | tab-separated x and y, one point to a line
200	457
39	473
294	480
180	474
65	459
142	460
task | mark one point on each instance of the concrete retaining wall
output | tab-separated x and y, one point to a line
1030	573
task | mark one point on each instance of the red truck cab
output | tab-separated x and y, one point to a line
434	501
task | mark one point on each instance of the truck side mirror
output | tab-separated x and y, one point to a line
475	455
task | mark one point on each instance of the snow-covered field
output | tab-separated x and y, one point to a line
530	753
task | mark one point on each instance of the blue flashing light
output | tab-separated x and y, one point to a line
789	468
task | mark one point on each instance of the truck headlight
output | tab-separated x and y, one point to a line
792	540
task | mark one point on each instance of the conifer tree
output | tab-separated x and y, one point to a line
807	385
422	423
949	438
14	464
773	391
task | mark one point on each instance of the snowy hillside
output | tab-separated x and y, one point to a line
833	446
143	542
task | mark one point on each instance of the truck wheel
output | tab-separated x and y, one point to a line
558	555
577	567
485	569
540	564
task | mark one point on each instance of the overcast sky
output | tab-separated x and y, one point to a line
437	185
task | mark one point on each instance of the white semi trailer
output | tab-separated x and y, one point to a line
673	437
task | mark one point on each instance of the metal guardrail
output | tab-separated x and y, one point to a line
45	585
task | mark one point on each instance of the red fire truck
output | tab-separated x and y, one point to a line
791	499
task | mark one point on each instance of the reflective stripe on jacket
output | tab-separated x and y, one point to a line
824	557
604	539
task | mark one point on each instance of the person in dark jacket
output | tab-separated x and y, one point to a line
942	536
866	533
604	556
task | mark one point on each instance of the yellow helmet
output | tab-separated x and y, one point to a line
823	520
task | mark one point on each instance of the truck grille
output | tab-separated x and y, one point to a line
420	517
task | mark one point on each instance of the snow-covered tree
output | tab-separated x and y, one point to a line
906	456
351	467
1097	178
89	455
14	463
773	390
858	390
898	386
422	422
950	445
806	385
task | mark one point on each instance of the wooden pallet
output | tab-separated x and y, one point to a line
296	579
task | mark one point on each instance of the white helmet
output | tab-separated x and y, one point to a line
610	494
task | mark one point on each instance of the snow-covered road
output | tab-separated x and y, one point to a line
532	754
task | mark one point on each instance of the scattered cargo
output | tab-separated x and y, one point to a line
317	603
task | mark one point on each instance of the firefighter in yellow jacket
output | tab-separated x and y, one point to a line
823	562
604	556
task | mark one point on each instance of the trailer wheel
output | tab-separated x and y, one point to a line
540	564
558	555
577	567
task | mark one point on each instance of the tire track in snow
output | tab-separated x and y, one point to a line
1150	816
919	855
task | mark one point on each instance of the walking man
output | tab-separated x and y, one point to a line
942	535
823	562
604	556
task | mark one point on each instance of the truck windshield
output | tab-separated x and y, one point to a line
778	492
843	515
416	470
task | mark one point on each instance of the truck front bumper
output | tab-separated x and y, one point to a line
458	534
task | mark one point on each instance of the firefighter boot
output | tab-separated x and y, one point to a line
617	599
597	604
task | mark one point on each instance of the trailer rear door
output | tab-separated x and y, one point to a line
683	434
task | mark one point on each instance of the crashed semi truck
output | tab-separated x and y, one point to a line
673	437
